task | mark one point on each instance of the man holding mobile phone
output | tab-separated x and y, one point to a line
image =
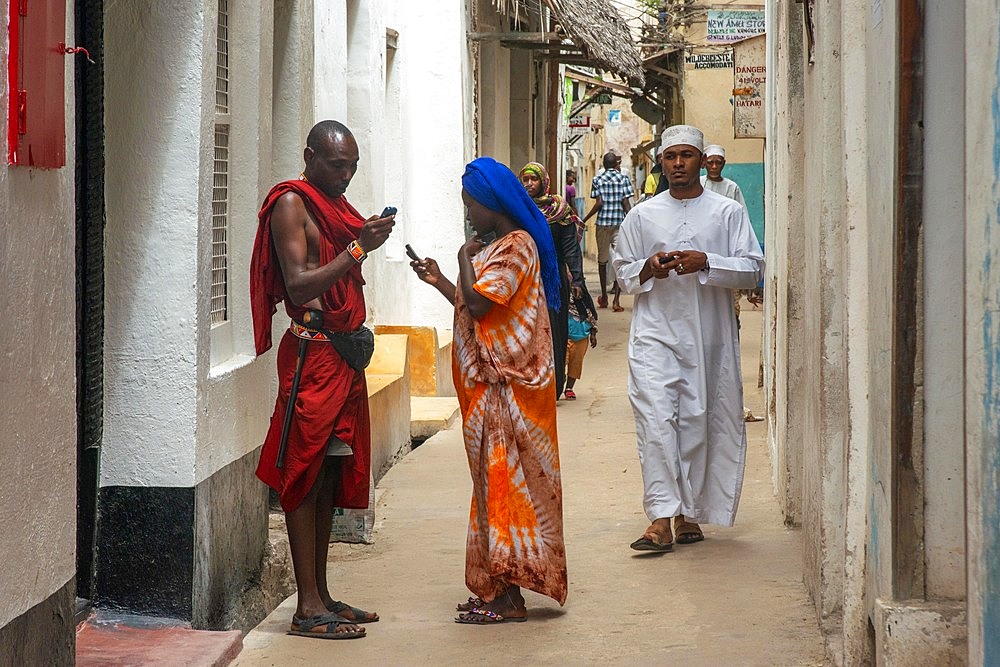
681	254
309	249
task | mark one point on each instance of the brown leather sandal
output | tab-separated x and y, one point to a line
687	532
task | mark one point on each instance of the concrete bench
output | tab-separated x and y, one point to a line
429	361
388	378
433	406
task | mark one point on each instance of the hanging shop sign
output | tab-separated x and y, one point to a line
725	27
578	125
749	83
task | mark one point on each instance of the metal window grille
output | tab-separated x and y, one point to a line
220	226
222	60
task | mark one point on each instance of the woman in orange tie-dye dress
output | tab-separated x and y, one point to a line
504	377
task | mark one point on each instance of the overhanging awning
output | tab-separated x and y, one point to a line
599	33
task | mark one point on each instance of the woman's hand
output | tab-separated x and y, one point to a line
427	269
593	338
471	247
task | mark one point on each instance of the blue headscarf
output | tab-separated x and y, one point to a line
497	188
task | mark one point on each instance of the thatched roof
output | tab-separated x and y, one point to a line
597	28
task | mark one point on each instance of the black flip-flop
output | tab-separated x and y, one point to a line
646	544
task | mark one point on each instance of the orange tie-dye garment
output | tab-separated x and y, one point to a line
504	377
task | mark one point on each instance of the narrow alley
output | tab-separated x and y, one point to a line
735	599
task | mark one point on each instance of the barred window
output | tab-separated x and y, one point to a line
220	226
220	173
222	60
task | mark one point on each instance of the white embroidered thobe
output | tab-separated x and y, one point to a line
725	187
685	382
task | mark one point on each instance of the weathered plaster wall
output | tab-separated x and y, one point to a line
38	374
833	376
854	26
708	98
944	213
982	334
708	105
784	279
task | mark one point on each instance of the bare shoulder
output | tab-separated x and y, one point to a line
289	209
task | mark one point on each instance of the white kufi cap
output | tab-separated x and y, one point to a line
675	135
715	149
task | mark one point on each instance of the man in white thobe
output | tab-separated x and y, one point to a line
680	254
714	163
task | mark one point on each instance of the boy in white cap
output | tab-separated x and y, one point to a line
681	254
714	163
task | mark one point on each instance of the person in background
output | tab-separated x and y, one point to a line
582	333
613	191
570	187
714	163
564	225
649	188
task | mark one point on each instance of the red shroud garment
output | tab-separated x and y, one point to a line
333	397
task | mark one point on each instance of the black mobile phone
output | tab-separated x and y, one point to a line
387	211
412	253
667	259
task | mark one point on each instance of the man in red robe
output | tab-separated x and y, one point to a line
308	253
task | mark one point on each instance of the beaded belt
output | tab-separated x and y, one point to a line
305	332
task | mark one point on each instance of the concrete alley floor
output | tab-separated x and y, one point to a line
735	599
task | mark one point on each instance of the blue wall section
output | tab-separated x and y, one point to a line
750	177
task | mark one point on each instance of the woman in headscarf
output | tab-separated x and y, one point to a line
503	372
567	229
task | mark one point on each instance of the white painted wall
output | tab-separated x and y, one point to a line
435	80
37	372
156	187
236	395
171	417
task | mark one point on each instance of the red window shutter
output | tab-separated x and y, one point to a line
36	64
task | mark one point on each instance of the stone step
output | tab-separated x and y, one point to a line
140	640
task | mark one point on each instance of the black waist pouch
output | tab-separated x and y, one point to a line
354	347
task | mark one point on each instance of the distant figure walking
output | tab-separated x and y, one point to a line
504	378
565	225
685	383
613	191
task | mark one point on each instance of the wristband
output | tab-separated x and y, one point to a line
357	252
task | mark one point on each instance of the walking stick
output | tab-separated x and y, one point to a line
311	319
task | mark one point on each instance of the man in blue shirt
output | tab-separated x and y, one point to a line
613	190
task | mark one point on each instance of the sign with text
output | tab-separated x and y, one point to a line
749	83
709	60
725	27
579	125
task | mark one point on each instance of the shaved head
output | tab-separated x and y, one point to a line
610	159
326	129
